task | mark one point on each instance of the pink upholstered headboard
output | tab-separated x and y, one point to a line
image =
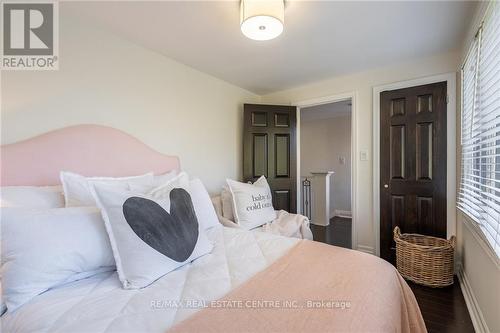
90	150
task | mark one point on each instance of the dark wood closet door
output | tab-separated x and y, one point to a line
269	149
412	163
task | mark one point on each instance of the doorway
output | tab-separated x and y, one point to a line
269	149
451	147
412	168
325	163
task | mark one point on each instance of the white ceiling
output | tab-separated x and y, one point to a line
321	38
326	111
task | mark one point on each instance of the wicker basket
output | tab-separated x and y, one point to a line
425	260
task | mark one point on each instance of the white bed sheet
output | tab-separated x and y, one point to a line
99	304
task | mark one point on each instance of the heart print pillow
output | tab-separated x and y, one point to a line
150	237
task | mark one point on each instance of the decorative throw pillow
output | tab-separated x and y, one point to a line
202	203
203	206
44	248
252	203
3	306
179	181
77	188
150	237
32	196
159	180
227	203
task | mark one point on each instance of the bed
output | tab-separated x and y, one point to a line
251	281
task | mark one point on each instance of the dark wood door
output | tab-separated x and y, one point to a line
269	149
412	163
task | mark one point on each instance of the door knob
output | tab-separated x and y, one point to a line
386	186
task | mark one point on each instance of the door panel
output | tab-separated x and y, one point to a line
281	119
424	151
259	119
398	107
259	155
269	149
281	198
398	210
397	152
425	216
424	103
412	163
282	155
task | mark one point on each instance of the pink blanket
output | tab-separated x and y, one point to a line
315	288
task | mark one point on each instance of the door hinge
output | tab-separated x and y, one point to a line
447	98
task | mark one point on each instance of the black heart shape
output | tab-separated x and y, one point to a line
172	234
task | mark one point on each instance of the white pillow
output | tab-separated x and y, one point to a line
203	206
158	180
252	203
181	180
77	190
202	203
149	237
162	179
227	203
43	248
32	196
3	307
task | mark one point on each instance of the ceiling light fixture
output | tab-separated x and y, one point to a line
262	19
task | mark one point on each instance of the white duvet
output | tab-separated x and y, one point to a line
99	304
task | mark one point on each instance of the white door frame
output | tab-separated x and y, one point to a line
354	148
451	146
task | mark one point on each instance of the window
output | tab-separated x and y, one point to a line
479	195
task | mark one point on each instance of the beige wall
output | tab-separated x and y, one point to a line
479	263
322	142
362	84
481	269
104	79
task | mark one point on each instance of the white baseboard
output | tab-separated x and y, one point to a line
366	249
342	213
472	305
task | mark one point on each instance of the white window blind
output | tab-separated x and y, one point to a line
479	195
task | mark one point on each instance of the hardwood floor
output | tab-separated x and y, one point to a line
444	309
338	233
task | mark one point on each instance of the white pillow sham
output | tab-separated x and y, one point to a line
77	188
159	180
150	237
203	206
3	307
181	180
252	203
32	196
202	203
227	203
43	248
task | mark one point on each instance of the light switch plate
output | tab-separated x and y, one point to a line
363	155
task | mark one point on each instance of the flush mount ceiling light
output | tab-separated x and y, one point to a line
262	19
